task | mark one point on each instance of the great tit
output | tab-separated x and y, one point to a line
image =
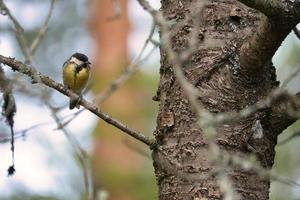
76	73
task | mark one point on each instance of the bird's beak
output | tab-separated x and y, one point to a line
87	62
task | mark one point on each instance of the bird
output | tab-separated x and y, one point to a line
76	73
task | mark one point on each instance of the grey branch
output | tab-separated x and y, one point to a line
297	32
19	31
42	31
282	17
27	51
275	8
81	154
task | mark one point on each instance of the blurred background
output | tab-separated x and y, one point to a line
111	33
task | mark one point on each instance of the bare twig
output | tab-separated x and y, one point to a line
6	11
27	51
80	153
173	57
269	8
146	5
248	165
141	151
291	77
22	133
42	31
32	73
128	72
232	116
19	31
297	32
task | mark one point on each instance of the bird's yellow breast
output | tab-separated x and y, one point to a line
75	81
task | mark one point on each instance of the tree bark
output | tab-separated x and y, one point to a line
181	157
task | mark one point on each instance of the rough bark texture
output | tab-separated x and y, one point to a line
181	158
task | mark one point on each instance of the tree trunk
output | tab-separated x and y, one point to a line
182	156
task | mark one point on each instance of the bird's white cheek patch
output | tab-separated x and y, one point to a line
76	61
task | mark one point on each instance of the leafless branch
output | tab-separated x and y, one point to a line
6	11
230	117
276	8
141	151
128	72
290	77
33	74
173	58
297	32
42	31
80	153
22	133
27	51
19	31
282	17
269	8
247	163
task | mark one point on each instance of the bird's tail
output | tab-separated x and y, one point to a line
74	103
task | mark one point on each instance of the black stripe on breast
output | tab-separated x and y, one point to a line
78	68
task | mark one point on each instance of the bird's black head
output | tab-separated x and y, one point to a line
80	57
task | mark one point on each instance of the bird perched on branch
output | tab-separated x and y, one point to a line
76	73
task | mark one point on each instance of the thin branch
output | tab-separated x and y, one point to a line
19	31
128	72
248	164
72	139
291	77
146	5
42	31
22	133
79	151
138	149
173	57
282	17
297	32
34	75
276	9
6	11
27	51
233	116
269	8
